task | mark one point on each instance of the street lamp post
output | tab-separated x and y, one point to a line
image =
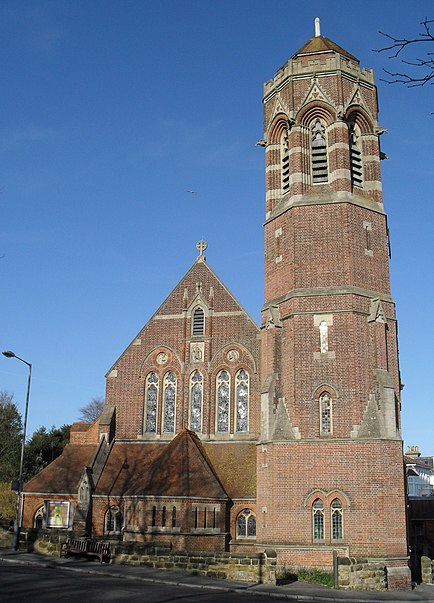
18	516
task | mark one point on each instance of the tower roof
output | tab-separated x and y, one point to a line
317	44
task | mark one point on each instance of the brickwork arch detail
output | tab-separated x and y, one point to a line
277	128
150	362
219	360
316	110
322	389
358	115
327	498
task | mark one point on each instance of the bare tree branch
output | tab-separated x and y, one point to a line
411	78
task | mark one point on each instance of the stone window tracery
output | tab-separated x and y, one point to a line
151	404
223	401
196	397
318	520
242	400
246	524
169	403
319	153
39	518
113	521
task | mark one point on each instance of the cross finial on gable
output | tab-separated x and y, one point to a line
201	246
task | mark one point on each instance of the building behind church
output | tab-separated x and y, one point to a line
222	435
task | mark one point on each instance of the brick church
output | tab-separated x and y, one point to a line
219	434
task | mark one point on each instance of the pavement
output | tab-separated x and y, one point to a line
295	591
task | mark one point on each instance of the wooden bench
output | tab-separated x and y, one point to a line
93	549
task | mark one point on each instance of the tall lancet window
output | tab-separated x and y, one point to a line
325	411
196	397
319	153
151	405
284	158
223	401
169	401
356	164
318	520
323	337
242	400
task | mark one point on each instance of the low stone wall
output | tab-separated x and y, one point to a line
243	567
360	574
427	570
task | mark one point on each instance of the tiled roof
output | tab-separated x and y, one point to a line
179	468
235	464
322	44
64	473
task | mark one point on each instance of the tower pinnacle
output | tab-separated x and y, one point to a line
317	27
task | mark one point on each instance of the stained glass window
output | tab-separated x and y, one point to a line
196	395
223	401
325	409
242	400
169	402
151	403
319	153
336	520
246	524
318	519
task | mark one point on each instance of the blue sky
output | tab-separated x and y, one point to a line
110	112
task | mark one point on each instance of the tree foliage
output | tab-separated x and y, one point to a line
10	438
8	501
92	411
43	447
412	52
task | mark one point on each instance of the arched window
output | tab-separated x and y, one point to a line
39	518
174	517
242	400
151	403
223	401
113	520
284	158
325	413
336	520
169	403
356	164
196	396
154	516
246	524
318	520
163	517
198	321
319	152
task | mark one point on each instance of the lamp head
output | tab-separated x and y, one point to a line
8	354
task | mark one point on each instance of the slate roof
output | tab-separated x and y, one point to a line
63	474
322	44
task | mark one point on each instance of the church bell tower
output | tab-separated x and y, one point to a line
330	472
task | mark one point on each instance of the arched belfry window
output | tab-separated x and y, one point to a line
223	390
198	321
319	152
196	397
325	412
242	400
151	403
169	403
284	159
356	164
39	518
